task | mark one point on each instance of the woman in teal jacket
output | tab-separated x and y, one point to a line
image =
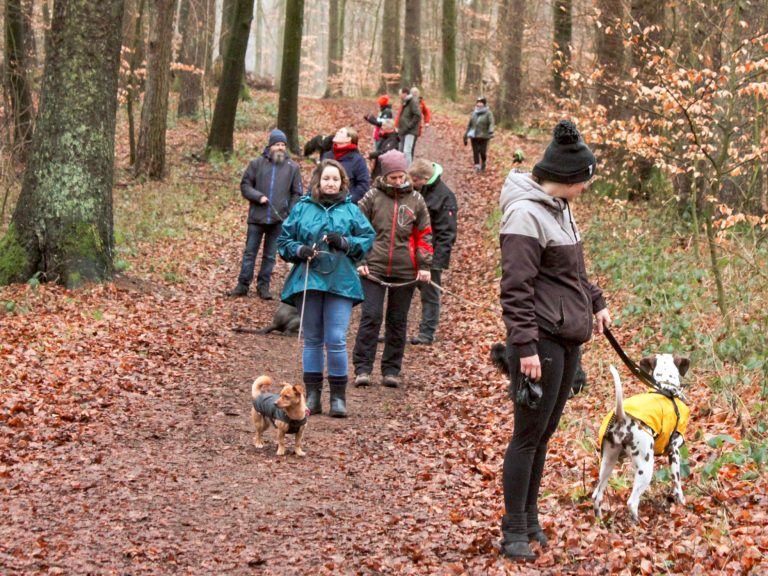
326	237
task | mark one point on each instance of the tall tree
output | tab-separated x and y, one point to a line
476	45
610	55
288	110
133	84
192	30
563	32
221	136
411	68
150	153
336	19
449	49
62	225
16	78
390	47
511	87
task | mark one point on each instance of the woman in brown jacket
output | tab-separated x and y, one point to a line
401	256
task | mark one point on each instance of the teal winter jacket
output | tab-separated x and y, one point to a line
331	270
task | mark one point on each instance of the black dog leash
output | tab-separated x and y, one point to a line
634	368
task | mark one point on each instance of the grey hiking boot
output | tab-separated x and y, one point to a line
392	381
362	379
421	339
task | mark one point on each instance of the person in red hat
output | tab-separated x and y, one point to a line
385	112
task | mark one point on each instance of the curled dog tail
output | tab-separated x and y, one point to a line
620	415
259	385
499	357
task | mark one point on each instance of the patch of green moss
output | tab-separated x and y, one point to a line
14	260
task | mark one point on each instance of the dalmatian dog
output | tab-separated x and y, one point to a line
643	425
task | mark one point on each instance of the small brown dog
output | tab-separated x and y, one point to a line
286	411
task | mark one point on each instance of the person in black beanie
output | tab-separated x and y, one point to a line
547	307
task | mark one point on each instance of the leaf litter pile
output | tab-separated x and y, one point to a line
125	432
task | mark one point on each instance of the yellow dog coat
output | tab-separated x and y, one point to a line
655	411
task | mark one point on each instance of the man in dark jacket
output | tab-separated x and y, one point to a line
272	185
408	123
345	151
442	206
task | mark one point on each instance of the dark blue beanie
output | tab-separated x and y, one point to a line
277	136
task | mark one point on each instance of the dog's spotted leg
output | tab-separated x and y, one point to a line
608	459
674	466
299	436
641	451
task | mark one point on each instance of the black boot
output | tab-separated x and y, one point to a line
514	544
313	382
534	530
338	385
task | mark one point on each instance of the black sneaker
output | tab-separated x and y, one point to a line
421	339
264	293
239	291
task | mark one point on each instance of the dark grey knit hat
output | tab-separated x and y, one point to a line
567	159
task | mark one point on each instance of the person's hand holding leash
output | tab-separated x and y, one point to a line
603	319
305	252
362	270
263	200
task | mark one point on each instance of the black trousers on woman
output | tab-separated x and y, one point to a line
480	151
527	451
398	304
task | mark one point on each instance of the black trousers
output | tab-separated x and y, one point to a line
527	451
398	305
480	151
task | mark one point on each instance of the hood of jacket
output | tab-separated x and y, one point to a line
390	190
519	187
435	176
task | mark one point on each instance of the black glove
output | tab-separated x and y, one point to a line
336	240
305	252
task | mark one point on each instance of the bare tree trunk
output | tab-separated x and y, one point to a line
476	47
62	225
133	84
16	79
288	111
449	49
411	67
561	58
150	153
191	27
510	90
390	47
335	80
221	137
610	56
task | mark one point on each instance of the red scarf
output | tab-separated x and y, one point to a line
340	151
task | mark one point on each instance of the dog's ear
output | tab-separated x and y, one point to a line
299	388
682	364
648	364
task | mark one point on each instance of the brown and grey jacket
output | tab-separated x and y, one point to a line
403	243
544	286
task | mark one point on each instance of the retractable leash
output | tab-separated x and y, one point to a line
303	307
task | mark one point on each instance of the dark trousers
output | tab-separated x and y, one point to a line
372	314
479	151
430	305
527	451
269	232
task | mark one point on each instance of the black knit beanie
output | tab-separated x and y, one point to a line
567	159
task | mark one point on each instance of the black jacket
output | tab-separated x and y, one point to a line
280	183
443	209
409	120
388	142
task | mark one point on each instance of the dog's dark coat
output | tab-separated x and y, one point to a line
265	404
285	320
319	143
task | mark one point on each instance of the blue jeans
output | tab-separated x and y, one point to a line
407	147
326	320
256	232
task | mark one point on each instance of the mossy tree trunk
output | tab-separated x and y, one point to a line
16	78
449	49
390	47
150	153
288	109
221	136
191	18
511	87
62	226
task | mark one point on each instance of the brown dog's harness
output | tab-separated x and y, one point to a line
266	405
